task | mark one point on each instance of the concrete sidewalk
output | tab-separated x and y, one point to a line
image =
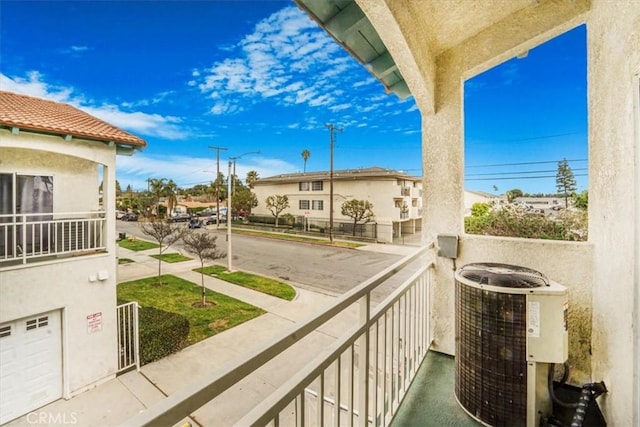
118	399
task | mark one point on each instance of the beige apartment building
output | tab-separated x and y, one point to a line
395	195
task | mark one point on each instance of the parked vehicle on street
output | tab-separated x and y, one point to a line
181	217
195	223
130	216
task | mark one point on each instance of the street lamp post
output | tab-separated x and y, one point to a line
232	161
229	256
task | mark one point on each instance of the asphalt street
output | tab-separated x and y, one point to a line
316	267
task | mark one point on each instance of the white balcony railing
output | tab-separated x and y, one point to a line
332	389
25	237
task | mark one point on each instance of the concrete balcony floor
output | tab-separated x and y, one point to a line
430	400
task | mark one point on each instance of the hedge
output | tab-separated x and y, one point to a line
161	333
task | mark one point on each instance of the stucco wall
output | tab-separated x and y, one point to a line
613	36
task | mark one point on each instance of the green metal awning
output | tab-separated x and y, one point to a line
348	25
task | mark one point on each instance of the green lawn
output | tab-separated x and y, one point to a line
125	261
296	238
257	283
179	296
137	245
172	257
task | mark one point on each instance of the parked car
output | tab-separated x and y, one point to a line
195	223
120	214
181	217
130	216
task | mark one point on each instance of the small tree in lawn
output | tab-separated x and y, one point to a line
359	211
276	204
165	233
203	245
565	181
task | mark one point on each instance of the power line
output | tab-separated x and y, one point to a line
516	173
516	177
524	163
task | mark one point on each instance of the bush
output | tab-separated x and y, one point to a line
161	333
262	219
513	221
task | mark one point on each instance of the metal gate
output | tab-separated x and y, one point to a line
128	340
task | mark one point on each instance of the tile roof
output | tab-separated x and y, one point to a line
40	115
345	174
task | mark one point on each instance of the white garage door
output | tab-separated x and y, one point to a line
30	364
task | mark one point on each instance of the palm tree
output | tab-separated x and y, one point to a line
252	177
171	190
156	187
305	156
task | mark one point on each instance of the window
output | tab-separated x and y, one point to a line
34	194
303	186
316	185
414	203
5	331
303	205
37	323
317	205
397	203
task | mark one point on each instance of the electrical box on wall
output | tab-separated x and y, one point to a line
448	245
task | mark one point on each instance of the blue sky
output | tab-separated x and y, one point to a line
261	76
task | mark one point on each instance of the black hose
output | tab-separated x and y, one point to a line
552	393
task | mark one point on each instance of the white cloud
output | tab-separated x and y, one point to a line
138	122
286	58
79	48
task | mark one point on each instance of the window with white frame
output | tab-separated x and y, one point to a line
303	186
303	205
317	205
316	186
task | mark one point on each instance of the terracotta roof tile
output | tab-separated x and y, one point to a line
40	115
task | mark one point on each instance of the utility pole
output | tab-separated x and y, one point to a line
332	131
216	183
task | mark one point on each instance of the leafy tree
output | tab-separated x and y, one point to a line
581	200
156	187
276	204
565	181
244	200
165	233
118	188
512	195
252	177
203	245
359	211
305	156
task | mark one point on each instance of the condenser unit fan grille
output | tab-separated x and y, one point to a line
503	275
491	366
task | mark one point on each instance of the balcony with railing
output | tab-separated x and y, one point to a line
361	378
29	238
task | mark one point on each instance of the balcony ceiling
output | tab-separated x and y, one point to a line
444	23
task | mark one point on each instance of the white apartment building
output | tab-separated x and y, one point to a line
396	197
58	334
